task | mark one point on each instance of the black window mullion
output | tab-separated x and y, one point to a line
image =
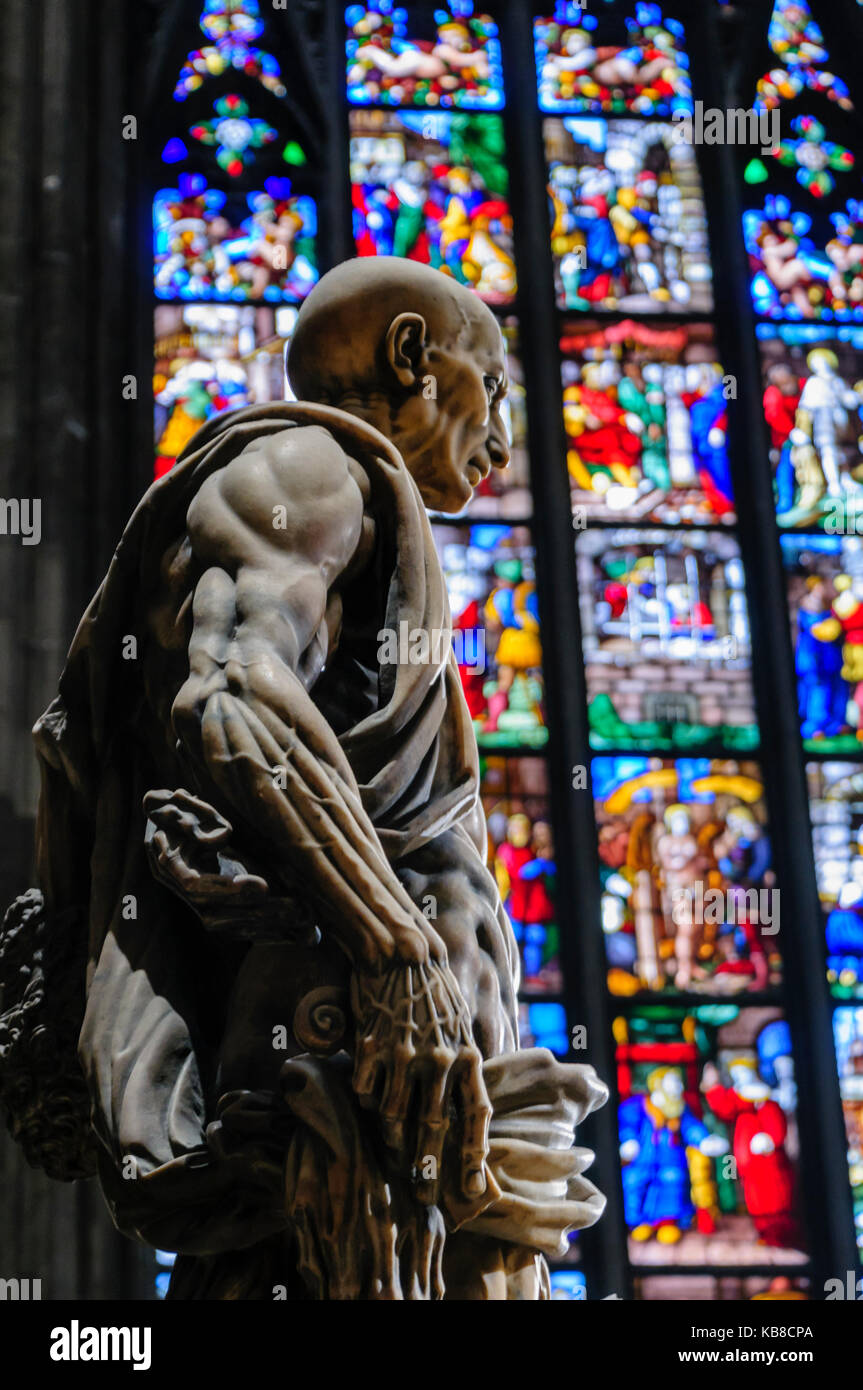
579	893
826	1196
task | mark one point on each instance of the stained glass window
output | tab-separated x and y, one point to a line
231	26
803	237
235	227
803	269
813	405
435	189
836	811
544	1025
568	1286
628	224
634	60
825	592
848	1034
490	575
804	234
699	1086
666	640
521	856
745	1288
210	244
210	358
645	410
447	58
688	902
798	44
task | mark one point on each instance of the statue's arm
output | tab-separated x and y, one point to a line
276	530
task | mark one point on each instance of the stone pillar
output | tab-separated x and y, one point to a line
68	242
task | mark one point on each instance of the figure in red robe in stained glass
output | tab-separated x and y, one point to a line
781	399
760	1130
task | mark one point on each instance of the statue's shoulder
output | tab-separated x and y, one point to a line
294	489
310	463
303	466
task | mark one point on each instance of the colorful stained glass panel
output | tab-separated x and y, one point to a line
435	188
722	1288
666	640
848	1037
804	268
632	61
543	1025
210	358
813	405
628	225
489	571
798	45
689	899
825	595
697	1088
213	245
836	813
430	56
231	27
521	856
568	1286
645	411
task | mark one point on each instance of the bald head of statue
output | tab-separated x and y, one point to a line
415	354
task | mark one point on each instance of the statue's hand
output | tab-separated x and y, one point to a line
188	845
186	842
416	1057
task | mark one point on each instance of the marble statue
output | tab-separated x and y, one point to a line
266	988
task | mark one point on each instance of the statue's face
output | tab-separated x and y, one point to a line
451	433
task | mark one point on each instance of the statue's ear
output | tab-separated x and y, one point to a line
405	341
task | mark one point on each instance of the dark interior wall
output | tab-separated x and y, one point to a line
75	323
71	331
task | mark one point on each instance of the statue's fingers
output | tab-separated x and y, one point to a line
397	1093
367	1069
211	827
475	1113
433	1124
272	749
171	862
214	738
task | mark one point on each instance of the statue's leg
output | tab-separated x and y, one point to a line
164	1171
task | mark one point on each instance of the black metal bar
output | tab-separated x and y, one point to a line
579	897
826	1204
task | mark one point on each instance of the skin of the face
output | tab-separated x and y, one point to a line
450	431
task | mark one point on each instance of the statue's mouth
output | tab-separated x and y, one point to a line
476	470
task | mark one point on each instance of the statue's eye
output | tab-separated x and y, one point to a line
492	386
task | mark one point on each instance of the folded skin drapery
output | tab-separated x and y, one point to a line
537	1104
